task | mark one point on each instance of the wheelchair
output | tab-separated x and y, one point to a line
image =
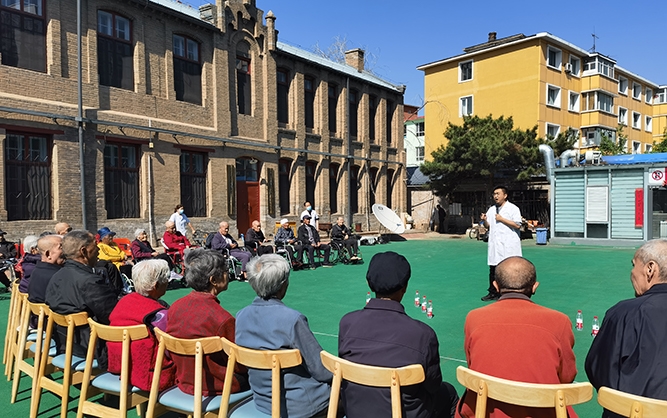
340	254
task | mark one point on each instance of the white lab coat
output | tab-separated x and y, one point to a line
504	241
314	217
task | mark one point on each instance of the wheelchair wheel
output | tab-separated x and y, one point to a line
474	233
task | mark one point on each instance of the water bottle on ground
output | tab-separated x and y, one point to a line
368	297
580	321
424	304
596	326
417	301
429	310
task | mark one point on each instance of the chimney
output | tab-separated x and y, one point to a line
492	36
208	13
355	58
271	30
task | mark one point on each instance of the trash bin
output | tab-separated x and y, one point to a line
541	235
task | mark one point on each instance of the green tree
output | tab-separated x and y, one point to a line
662	145
481	148
609	147
564	141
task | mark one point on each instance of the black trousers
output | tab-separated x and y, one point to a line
492	278
311	252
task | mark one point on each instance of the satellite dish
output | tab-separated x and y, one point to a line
388	218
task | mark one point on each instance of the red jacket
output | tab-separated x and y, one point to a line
175	241
132	309
519	340
198	315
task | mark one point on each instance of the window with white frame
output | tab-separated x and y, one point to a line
661	96
554	57
623	116
636	120
465	71
636	91
636	147
605	67
622	85
575	65
573	103
419	153
648	124
552	130
465	106
553	96
648	95
648	148
605	102
420	129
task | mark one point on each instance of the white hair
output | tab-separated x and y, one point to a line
29	243
149	273
138	232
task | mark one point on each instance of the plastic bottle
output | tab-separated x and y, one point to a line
417	301
242	239
580	321
424	304
368	297
596	326
429	310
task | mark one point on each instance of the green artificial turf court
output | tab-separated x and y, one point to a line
452	273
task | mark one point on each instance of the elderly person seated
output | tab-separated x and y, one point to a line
7	258
198	315
342	235
267	324
174	240
28	262
143	250
111	252
310	240
286	239
143	307
256	242
223	242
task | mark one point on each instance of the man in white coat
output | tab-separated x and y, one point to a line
503	221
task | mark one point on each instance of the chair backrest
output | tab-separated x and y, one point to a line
273	360
383	377
198	347
631	406
124	244
124	335
535	395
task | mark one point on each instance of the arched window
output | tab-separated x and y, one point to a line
311	168
373	175
334	168
243	80
333	108
309	89
354	189
115	65
354	110
23	34
187	69
283	76
390	186
284	166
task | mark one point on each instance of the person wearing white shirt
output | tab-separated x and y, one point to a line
503	220
312	213
181	220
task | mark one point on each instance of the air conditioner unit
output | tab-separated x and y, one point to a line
568	67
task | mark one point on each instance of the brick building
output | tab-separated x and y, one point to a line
201	107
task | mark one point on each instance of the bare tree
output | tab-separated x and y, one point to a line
336	52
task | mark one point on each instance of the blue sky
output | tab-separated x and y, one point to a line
402	35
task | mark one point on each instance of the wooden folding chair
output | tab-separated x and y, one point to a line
533	395
71	365
11	335
30	346
174	399
130	396
383	377
273	360
631	406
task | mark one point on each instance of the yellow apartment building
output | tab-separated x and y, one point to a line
546	81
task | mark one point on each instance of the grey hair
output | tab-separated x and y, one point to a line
74	241
138	232
147	274
267	274
29	243
202	264
656	251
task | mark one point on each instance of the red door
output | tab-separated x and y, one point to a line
247	204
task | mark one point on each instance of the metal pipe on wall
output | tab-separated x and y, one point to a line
349	158
79	118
